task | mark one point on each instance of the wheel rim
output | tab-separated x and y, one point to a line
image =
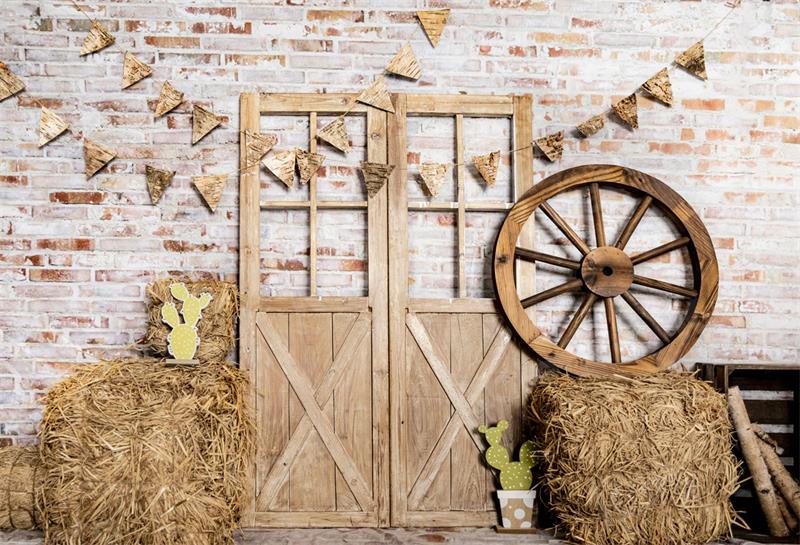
607	272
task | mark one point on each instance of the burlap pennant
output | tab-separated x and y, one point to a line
375	176
405	63
10	84
203	122
377	95
551	145
592	125
307	164
281	165
660	87
97	39
95	157
50	126
210	188
433	176
168	100
433	22
627	110
257	145
487	166
133	70
157	182
335	134
694	60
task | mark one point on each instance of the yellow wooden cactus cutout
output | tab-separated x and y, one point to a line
182	342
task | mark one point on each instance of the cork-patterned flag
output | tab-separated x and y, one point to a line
694	60
433	176
307	164
168	100
10	84
210	188
628	111
257	145
592	125
377	95
405	63
335	134
375	176
203	122
97	39
157	182
95	157
487	166
433	22
133	70
660	87
281	165
551	145
50	126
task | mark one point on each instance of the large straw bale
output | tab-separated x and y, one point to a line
20	480
217	326
139	453
633	461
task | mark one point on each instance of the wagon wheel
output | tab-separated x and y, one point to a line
607	272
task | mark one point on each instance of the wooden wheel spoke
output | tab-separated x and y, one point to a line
533	256
646	317
663	286
580	315
660	250
597	215
564	227
572	285
633	223
613	333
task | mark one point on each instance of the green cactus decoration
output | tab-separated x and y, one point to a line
183	340
513	475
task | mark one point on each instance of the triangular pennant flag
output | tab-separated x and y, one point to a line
433	22
50	126
377	95
405	63
133	70
694	60
660	87
375	176
95	157
257	145
10	84
627	110
433	176
592	125
210	187
281	165
335	134
97	39
551	145
157	181
307	164
487	166
168	100
203	122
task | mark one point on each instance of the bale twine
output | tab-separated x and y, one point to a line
632	461
216	329
20	481
135	452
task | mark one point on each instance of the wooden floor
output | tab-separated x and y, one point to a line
362	536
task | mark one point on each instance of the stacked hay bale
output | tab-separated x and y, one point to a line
631	461
20	482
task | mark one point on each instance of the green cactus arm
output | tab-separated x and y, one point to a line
527	454
497	457
169	314
179	291
516	477
204	300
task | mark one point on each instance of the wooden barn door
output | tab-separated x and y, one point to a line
319	365
453	363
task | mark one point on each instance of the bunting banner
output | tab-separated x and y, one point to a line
627	110
433	22
281	165
433	176
10	84
210	188
203	122
694	60
377	95
552	145
133	70
660	87
258	145
487	166
335	134
157	182
168	100
50	126
375	176
405	63
97	39
592	125
95	157
307	164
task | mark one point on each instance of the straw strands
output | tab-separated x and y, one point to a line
20	483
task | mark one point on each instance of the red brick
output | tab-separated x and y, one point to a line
335	15
77	244
60	275
173	42
77	197
711	104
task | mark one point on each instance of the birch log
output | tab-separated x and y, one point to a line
788	516
767	438
787	486
755	462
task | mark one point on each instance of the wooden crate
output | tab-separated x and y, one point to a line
772	397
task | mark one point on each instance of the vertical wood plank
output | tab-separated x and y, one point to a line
461	219
312	213
249	210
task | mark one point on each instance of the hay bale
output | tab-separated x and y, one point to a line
20	480
632	461
216	329
152	453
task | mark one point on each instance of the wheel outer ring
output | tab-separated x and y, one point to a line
681	213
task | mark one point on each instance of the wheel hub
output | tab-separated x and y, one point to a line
607	271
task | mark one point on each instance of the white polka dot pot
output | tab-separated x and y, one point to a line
516	508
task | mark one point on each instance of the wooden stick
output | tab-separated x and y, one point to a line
781	477
788	517
758	467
